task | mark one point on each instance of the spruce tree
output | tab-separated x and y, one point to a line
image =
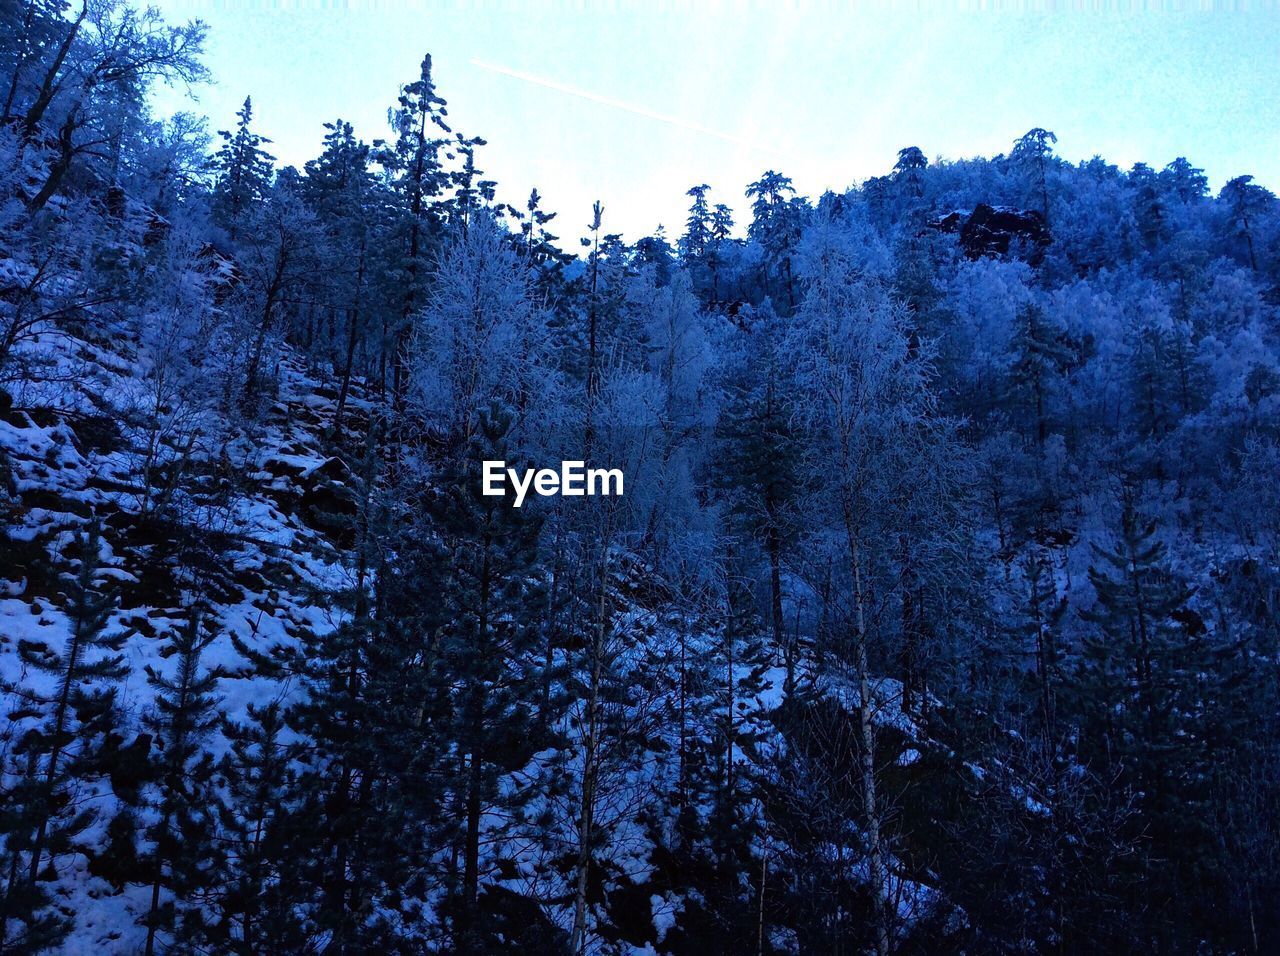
721	226
1153	688
243	173
41	819
184	851
252	908
757	468
697	232
489	652
419	120
1040	358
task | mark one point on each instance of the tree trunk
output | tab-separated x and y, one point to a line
60	166
49	88
274	288
352	336
586	815
773	545
879	895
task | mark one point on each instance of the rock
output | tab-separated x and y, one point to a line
97	433
951	222
990	230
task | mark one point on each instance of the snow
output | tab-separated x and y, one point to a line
75	483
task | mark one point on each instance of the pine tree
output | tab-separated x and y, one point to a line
354	833
276	261
488	650
708	854
1032	153
183	856
777	216
603	292
1040	358
538	243
419	120
1042	622
1137	598
721	227
471	192
41	820
697	231
252	911
1148	205
1154	688
908	172
243	170
1187	183
758	464
1246	202
341	190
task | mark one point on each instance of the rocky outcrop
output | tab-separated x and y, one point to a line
993	230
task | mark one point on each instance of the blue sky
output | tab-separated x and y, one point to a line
632	103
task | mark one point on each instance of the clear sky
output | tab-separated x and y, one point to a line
634	103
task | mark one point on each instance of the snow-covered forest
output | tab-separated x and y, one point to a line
939	614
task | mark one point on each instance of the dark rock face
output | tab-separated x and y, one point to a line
951	222
991	230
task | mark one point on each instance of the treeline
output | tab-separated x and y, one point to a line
939	615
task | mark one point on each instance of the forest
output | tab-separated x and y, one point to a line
939	614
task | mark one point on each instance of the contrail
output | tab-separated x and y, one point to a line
627	107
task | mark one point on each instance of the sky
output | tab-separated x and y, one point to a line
634	103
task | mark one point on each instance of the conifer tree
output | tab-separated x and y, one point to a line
697	232
758	466
283	252
488	651
777	216
353	838
1187	183
1148	204
244	170
252	910
1154	688
604	294
1044	612
1246	202
419	120
341	190
471	192
1031	153
908	172
709	853
720	228
183	854
1040	358
41	820
538	243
